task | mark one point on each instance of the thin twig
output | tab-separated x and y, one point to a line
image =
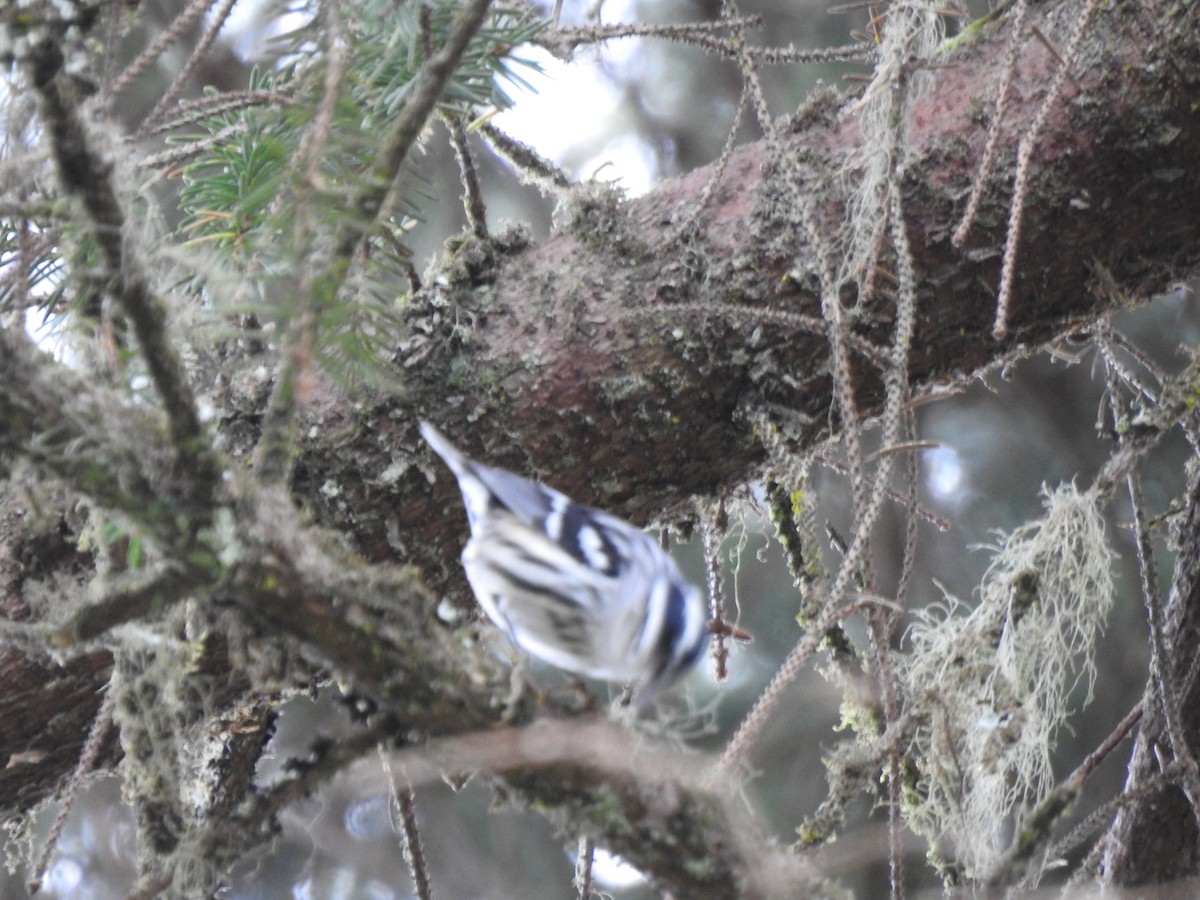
181	80
203	108
175	157
564	41
583	868
1045	42
1165	687
867	508
138	596
531	167
713	526
101	724
404	820
473	204
1103	814
1028	145
748	732
755	315
1015	40
182	22
693	216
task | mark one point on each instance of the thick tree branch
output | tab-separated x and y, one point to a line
601	361
622	374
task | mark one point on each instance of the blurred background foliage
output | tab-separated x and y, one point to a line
635	112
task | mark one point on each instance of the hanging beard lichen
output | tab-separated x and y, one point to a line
997	683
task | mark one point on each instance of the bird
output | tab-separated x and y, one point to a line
572	585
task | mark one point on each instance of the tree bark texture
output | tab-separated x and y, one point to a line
1155	839
616	370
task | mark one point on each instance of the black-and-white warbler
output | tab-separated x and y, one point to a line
572	585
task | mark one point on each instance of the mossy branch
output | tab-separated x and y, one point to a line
88	176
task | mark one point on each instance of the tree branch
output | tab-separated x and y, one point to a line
551	348
88	177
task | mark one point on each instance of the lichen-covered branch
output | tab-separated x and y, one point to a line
88	177
583	360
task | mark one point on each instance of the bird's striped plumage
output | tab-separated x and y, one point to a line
574	585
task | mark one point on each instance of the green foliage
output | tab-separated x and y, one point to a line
390	43
228	190
43	245
247	192
115	537
46	269
245	163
